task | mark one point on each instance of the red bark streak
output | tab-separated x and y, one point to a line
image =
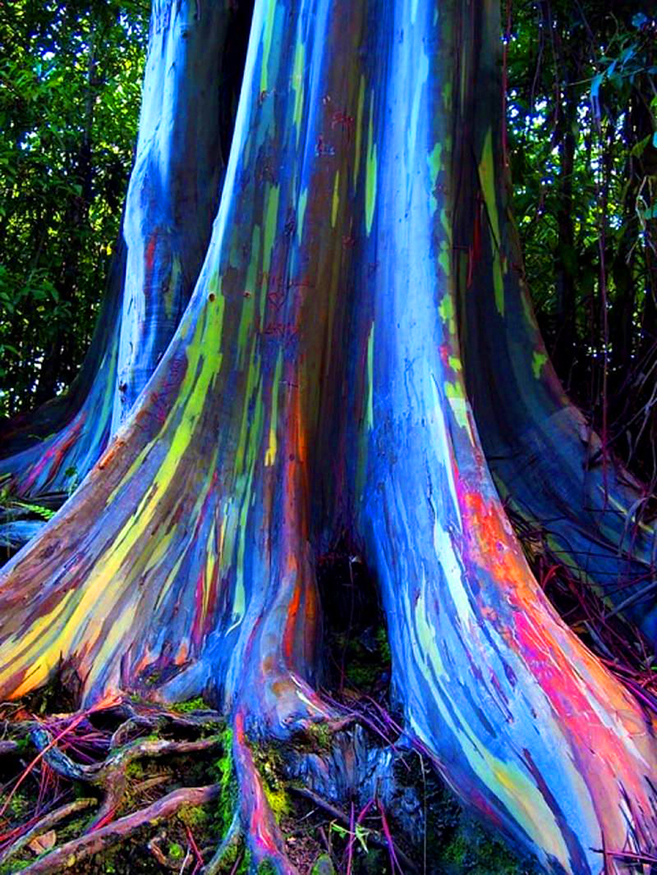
54	456
149	255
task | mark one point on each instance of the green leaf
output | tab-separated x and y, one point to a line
595	85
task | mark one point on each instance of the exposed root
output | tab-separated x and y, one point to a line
74	852
122	735
112	774
103	773
288	706
244	777
153	716
292	710
255	818
619	644
72	748
254	826
47	822
265	839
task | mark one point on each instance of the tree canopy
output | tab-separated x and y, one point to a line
582	139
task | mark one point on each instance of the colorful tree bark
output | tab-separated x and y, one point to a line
315	386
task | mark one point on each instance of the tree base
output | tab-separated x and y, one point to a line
138	788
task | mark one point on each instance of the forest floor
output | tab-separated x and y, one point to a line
322	835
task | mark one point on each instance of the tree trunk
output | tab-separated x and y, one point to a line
53	447
315	387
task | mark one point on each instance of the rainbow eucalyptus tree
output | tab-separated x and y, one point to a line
315	386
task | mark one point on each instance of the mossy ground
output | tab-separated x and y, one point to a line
316	841
148	780
455	843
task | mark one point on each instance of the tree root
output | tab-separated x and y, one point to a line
111	775
253	817
254	829
77	850
152	717
264	837
118	761
47	822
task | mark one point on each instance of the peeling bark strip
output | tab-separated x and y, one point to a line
315	385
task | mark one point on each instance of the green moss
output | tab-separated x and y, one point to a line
19	804
366	657
456	850
278	800
470	849
494	858
223	772
192	705
384	644
323	865
194	816
135	770
266	868
73	828
14	865
320	734
362	675
457	842
269	765
176	851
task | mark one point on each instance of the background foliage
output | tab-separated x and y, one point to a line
582	130
70	81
